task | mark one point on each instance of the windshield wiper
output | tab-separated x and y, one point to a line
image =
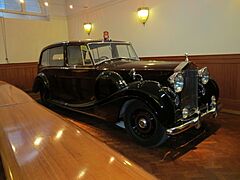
116	58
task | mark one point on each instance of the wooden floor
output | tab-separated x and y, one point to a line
212	152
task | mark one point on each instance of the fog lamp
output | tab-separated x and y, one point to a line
87	27
143	14
185	113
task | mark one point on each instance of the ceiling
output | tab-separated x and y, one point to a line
84	4
88	5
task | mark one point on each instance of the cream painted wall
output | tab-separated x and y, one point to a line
26	38
174	26
2	53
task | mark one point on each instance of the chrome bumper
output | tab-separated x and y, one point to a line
194	122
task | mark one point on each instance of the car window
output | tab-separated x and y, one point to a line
74	55
101	52
125	51
86	55
56	56
78	55
45	58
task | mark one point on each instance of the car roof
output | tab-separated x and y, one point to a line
80	42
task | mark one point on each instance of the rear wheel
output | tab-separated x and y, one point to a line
44	94
143	125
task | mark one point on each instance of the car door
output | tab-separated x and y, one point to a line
52	65
80	74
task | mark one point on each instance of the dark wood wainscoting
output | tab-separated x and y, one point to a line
225	69
19	74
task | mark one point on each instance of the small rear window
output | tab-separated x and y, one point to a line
45	58
53	57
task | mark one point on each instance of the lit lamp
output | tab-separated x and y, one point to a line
143	14
87	27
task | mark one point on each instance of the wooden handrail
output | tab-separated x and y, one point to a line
36	143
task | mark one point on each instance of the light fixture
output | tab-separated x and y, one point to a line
87	27
46	3
143	14
71	6
22	1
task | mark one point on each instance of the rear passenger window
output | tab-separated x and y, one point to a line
78	55
53	57
56	56
74	55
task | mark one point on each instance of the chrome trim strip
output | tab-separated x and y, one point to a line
194	122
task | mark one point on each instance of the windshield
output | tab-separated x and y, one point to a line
105	51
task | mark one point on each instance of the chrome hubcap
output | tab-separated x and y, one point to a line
142	123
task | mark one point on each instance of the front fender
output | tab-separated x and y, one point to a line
40	80
156	97
211	88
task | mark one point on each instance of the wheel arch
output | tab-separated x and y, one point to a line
40	80
159	102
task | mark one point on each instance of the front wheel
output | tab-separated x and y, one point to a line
143	125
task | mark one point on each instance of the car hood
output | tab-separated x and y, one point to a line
138	65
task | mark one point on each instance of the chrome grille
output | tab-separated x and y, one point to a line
189	95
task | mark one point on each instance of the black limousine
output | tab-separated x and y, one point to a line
151	99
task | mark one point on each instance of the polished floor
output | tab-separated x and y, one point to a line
212	152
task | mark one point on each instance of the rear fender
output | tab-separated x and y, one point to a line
40	80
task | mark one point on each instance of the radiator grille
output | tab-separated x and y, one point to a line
189	95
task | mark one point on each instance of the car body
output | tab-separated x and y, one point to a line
36	143
154	99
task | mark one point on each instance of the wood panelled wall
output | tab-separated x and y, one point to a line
19	74
225	69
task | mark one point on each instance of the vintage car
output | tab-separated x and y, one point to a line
154	99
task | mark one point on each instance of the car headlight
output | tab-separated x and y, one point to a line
177	81
204	75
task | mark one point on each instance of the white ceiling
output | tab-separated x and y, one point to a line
84	4
88	5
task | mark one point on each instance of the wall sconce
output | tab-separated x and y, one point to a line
143	14
87	27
